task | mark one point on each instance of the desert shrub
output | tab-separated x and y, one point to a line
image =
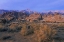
3	21
44	33
6	37
1	25
35	26
61	25
14	28
26	29
3	28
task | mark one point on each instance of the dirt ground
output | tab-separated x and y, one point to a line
15	37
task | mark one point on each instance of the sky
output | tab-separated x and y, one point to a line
35	5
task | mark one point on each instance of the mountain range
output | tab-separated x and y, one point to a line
29	15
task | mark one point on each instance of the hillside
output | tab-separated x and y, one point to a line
31	16
30	26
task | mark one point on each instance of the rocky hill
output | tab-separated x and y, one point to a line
29	26
31	16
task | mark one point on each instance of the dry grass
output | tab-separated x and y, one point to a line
2	26
26	29
14	27
43	33
61	25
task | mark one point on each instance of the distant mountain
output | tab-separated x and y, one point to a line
13	15
3	11
28	15
23	14
27	11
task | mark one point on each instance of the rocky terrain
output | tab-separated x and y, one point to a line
30	26
32	16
